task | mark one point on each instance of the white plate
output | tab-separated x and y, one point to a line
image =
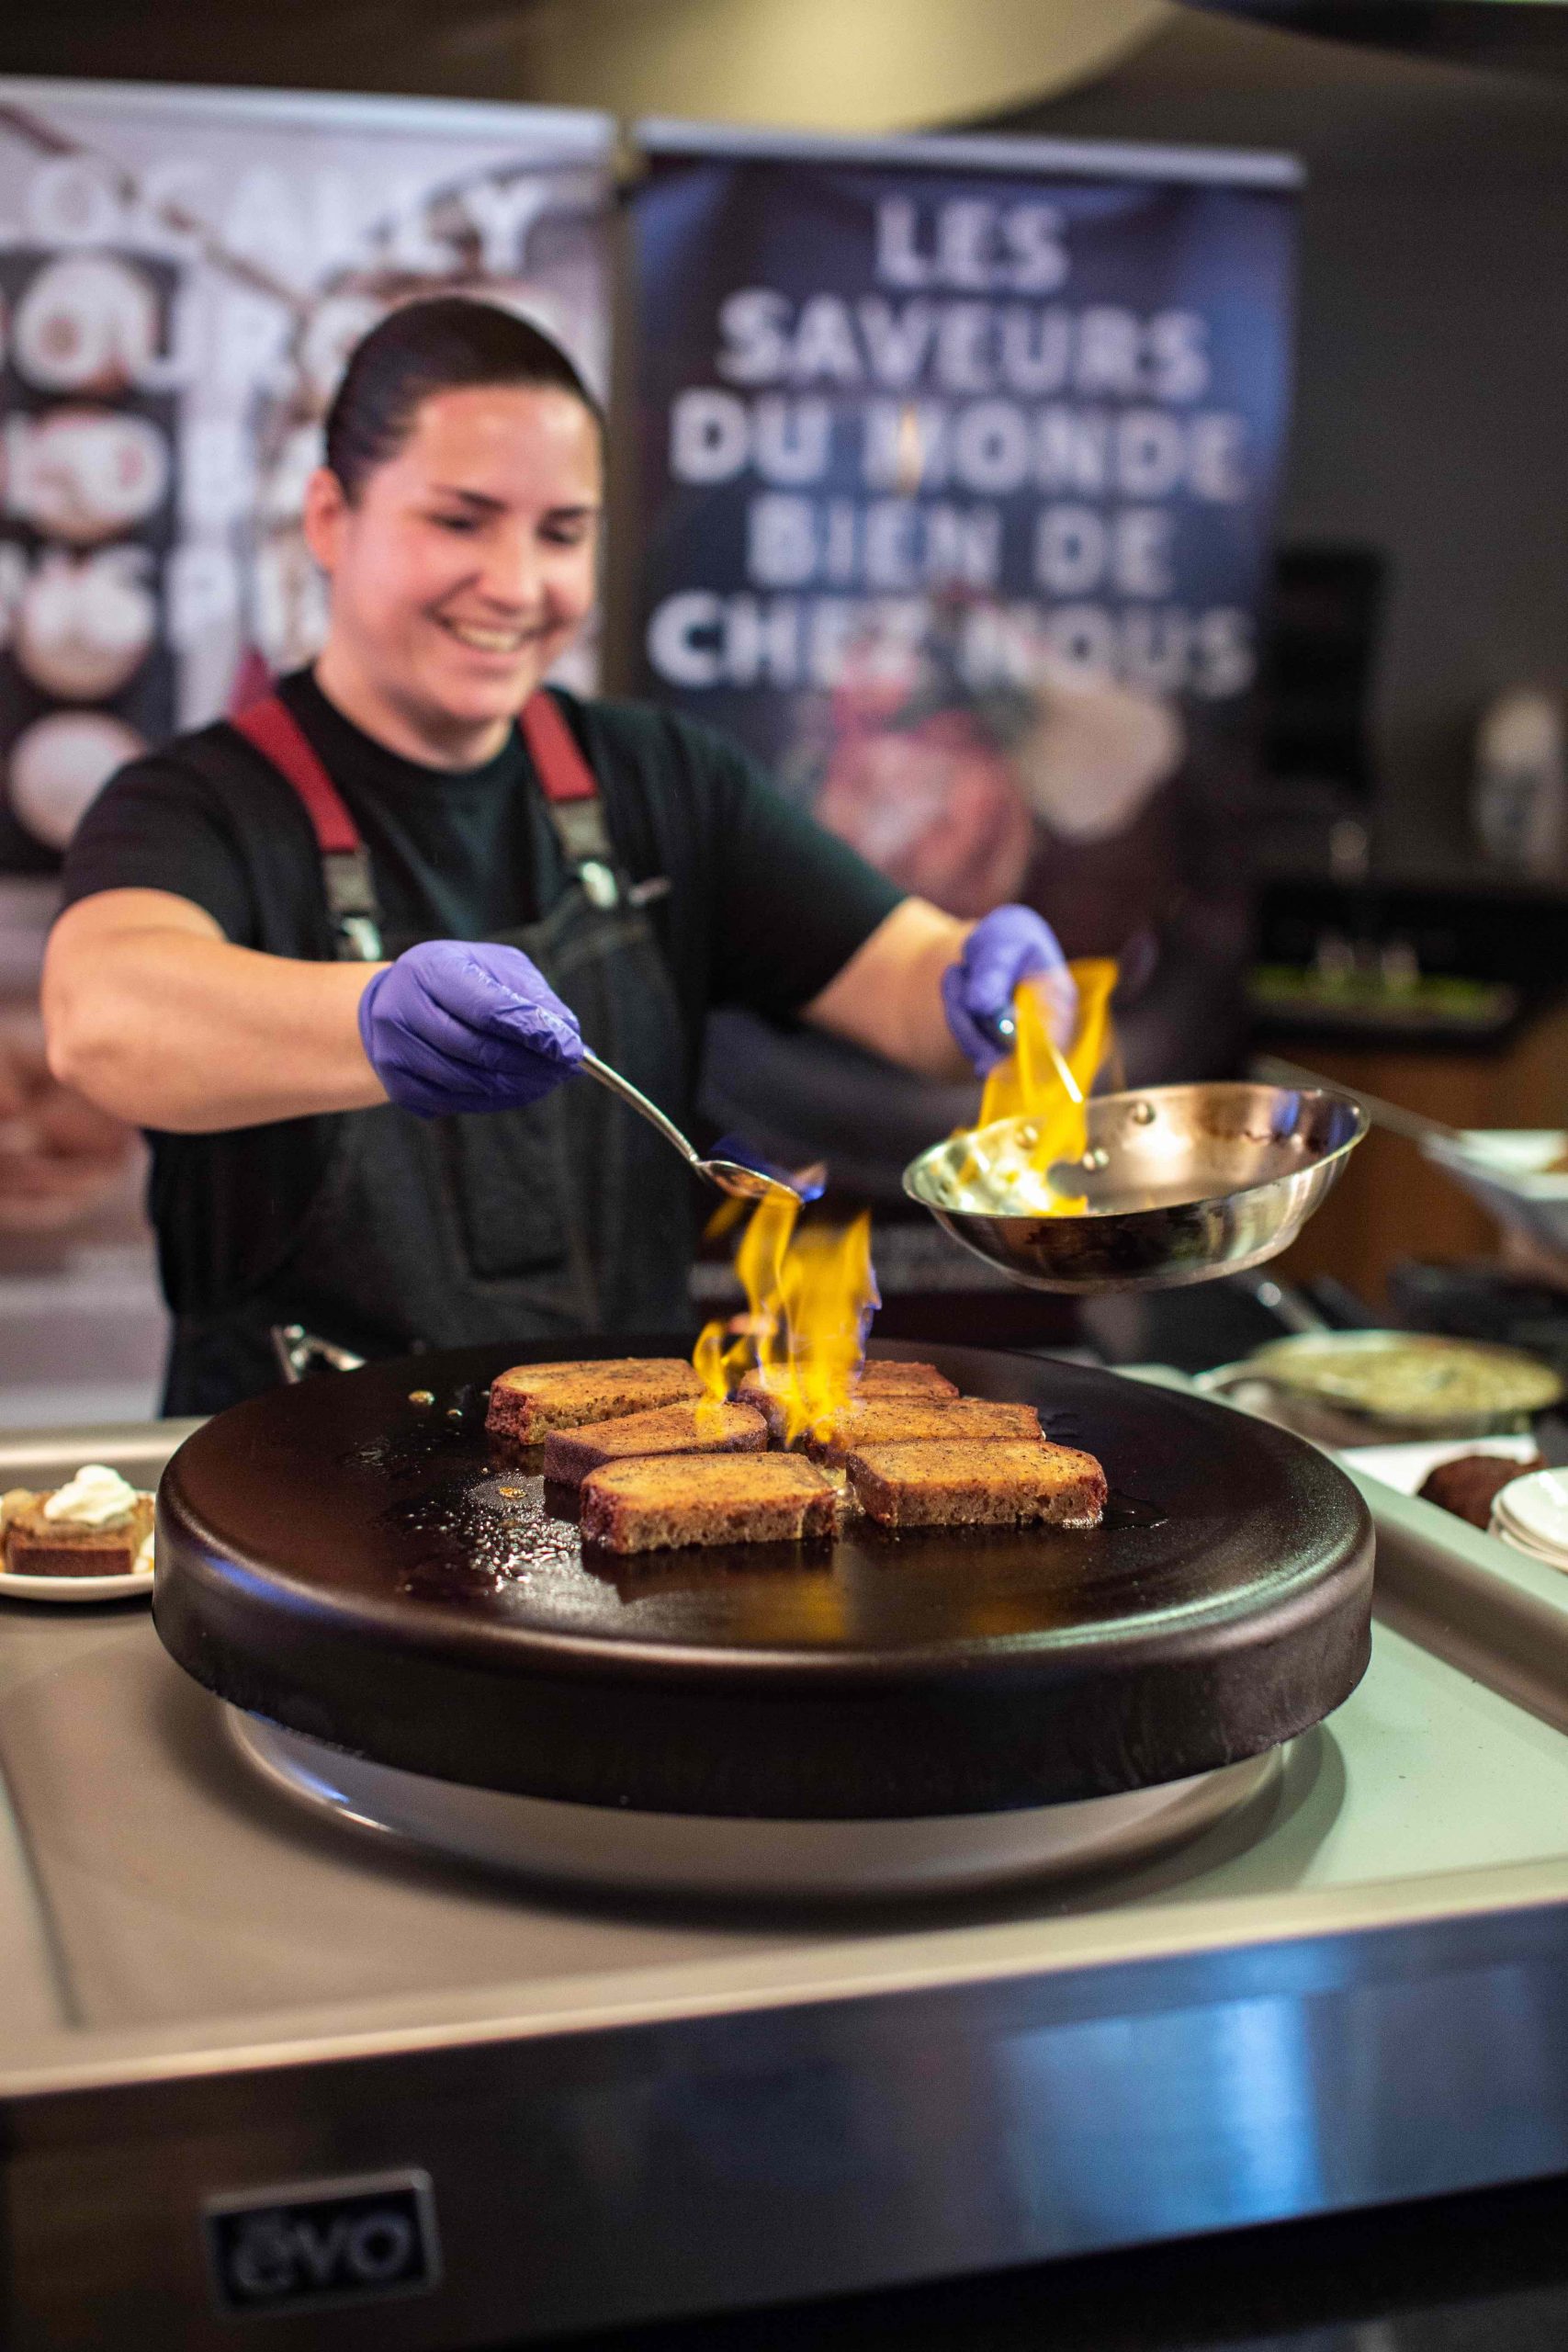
25	1587
1536	1508
1502	1534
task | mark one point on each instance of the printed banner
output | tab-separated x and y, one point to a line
182	273
959	461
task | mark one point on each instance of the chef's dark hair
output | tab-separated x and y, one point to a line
448	344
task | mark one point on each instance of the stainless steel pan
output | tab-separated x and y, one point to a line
1183	1183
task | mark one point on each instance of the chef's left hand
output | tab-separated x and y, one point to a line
1010	945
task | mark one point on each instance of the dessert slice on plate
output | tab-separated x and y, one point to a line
97	1525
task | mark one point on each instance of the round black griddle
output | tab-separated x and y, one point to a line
374	1572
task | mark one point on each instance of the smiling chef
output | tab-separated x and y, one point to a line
341	955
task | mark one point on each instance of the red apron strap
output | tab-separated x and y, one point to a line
276	734
271	729
561	768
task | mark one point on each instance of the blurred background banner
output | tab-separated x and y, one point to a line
182	273
960	460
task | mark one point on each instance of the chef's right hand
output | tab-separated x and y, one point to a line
458	1024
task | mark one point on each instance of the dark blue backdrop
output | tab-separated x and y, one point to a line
1151	319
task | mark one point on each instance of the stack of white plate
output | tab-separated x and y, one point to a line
1531	1514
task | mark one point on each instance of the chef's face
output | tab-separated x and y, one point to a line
464	562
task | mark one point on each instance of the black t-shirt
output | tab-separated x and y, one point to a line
762	907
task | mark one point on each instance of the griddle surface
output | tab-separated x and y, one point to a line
379	1574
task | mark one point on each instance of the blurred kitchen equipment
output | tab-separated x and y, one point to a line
1518	1174
1183	1183
730	1176
1367	1388
1479	1299
300	1353
1520	797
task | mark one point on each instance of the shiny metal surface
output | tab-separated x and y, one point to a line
670	1853
1353	1990
1183	1183
743	1183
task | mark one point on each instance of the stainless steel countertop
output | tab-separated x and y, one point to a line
1356	1988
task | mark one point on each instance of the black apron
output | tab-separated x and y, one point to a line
568	1216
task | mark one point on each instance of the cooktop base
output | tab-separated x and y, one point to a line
709	1854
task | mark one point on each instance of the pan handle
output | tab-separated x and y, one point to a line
1414	1126
1295	1312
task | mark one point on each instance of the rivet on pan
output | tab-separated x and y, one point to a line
453	1412
421	1396
1029	1137
1143	1114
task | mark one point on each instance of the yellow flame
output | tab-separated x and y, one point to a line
1039	1082
810	1293
719	1358
810	1289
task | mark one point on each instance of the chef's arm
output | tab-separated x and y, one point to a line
888	996
927	990
154	1016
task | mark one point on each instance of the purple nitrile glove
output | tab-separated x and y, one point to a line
458	1024
1005	946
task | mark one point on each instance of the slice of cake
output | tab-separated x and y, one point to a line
647	1505
706	1427
906	1420
970	1482
97	1525
764	1389
534	1397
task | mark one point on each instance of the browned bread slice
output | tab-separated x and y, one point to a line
707	1498
704	1428
36	1546
883	1376
906	1420
534	1397
972	1482
761	1390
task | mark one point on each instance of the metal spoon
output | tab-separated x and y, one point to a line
730	1175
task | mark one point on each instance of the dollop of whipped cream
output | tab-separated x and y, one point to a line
96	1497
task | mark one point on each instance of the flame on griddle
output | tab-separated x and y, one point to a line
810	1293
